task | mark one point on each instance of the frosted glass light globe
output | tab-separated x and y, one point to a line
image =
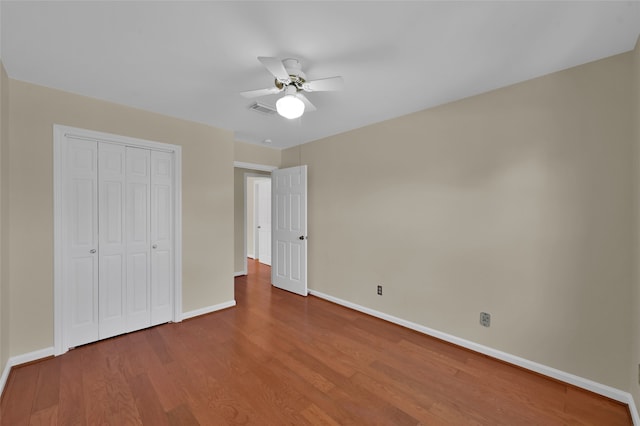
289	106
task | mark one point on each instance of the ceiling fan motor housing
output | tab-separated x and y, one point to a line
294	69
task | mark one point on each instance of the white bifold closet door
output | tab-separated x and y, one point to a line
80	258
119	218
162	220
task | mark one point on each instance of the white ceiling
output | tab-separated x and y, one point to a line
191	59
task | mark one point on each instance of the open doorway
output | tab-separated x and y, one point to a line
246	176
258	235
289	222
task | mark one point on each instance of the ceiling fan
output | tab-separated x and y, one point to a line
290	79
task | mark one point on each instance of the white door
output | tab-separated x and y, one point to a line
161	237
112	247
289	231
137	219
263	219
117	235
80	258
118	256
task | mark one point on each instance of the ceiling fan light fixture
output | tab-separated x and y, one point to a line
292	83
290	106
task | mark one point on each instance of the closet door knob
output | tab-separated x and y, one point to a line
155	246
92	251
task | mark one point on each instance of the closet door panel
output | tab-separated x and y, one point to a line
81	259
137	224
111	172
161	236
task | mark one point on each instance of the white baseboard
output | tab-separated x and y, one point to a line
240	274
604	390
208	309
5	376
635	416
22	359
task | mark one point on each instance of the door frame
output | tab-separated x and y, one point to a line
259	168
59	229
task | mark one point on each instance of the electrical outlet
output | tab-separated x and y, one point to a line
485	319
379	290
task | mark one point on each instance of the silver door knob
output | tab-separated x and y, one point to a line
92	251
155	246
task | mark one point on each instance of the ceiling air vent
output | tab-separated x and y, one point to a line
262	108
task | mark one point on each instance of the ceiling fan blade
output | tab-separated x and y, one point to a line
308	106
275	67
260	92
324	85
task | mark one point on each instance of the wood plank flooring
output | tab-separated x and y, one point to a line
281	359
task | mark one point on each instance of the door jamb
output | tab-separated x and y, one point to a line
59	133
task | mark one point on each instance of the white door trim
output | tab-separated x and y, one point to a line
254	166
59	133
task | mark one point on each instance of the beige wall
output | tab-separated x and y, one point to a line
516	202
4	218
207	201
635	299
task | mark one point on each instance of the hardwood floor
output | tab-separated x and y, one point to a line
281	359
